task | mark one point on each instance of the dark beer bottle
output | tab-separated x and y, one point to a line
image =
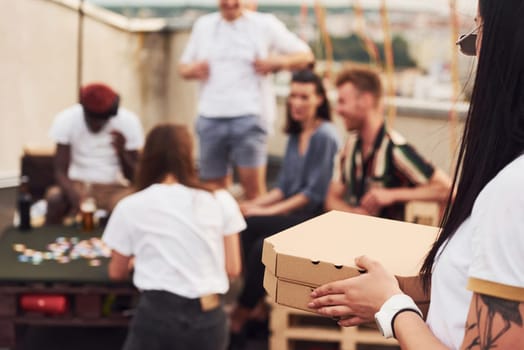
24	204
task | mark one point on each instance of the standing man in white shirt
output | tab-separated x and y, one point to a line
232	53
97	145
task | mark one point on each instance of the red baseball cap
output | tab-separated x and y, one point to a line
99	100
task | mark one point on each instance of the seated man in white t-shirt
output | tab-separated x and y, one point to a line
97	145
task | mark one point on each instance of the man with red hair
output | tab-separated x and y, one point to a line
97	145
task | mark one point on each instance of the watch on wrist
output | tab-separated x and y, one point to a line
395	305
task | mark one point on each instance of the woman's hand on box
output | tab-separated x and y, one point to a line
355	300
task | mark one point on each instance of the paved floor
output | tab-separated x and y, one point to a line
74	338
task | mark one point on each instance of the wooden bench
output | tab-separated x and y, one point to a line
293	329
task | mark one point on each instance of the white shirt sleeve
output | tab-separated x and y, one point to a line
118	234
498	239
281	39
62	127
233	220
190	52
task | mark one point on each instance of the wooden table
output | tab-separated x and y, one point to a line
89	293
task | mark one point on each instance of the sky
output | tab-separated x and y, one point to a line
466	6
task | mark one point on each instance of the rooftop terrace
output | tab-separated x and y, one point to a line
50	47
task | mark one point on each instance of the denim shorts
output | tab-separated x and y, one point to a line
227	142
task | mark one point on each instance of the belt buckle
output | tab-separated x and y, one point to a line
209	302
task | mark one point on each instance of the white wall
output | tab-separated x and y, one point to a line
37	73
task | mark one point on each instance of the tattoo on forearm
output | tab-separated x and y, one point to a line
490	307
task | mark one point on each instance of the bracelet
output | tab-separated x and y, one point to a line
395	317
390	309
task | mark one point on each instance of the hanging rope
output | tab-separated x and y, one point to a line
452	117
321	21
80	46
303	20
390	64
369	45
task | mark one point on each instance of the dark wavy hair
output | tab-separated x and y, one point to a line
494	129
307	76
168	150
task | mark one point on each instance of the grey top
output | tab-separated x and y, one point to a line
311	172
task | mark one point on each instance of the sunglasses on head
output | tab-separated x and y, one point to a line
468	42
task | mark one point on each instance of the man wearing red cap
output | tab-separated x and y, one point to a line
97	145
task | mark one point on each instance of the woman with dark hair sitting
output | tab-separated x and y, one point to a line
185	243
302	184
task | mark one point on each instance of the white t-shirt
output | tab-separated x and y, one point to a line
176	234
233	88
93	158
486	255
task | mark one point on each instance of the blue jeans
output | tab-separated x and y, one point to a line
165	320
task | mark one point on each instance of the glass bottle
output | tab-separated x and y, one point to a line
87	209
24	201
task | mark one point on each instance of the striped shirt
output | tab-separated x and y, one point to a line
392	163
